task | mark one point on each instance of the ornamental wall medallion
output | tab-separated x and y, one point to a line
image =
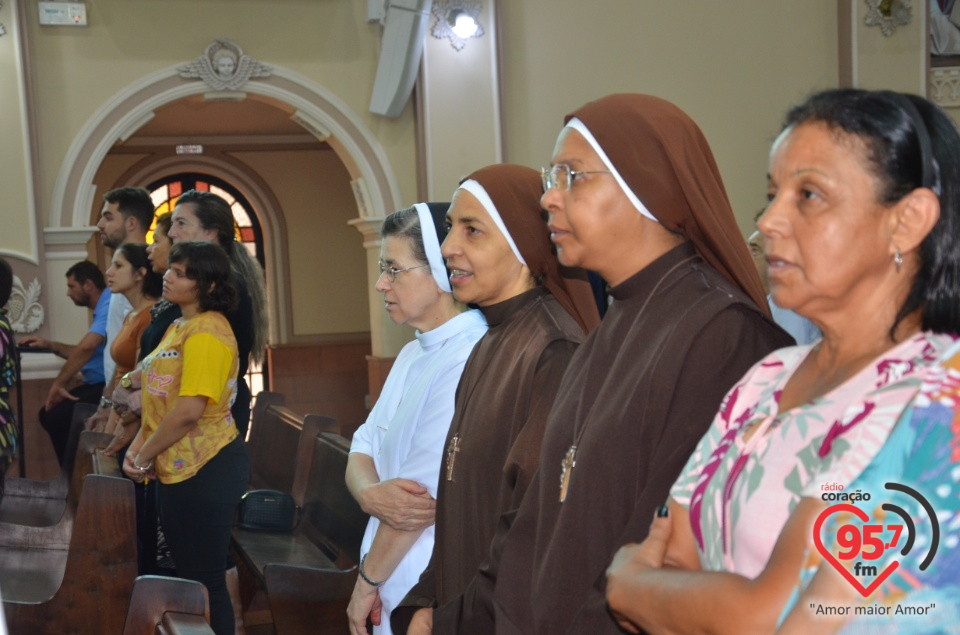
224	67
23	308
888	14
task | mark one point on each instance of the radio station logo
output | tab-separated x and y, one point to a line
859	551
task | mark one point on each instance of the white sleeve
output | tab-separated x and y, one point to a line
422	462
119	307
386	404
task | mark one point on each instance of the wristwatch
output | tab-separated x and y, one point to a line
126	382
105	403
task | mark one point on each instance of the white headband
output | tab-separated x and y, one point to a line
481	195
576	124
431	245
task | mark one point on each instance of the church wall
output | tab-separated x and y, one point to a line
326	257
734	67
77	70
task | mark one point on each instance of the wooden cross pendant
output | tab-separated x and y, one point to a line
569	460
452	448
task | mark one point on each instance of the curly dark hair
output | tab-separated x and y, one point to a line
208	265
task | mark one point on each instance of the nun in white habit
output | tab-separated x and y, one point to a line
395	456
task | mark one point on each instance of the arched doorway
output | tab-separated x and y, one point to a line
314	109
320	275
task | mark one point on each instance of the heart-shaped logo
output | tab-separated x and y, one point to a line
862	515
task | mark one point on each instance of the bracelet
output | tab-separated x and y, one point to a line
105	403
146	467
363	574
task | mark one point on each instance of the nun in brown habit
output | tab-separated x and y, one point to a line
634	194
500	258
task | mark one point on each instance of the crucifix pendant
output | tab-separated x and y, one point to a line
452	448
569	460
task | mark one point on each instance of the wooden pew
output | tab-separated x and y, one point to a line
260	442
155	596
309	574
57	535
85	585
274	444
280	448
42	503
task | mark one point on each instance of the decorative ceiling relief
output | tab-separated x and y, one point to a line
224	67
23	308
888	14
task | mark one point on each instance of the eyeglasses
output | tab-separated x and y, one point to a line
392	273
560	176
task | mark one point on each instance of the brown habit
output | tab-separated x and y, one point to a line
506	391
644	387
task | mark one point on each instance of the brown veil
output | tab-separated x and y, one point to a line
665	160
515	191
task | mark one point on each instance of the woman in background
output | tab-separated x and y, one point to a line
395	456
204	216
163	312
188	439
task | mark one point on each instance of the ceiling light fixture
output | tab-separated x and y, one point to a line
457	21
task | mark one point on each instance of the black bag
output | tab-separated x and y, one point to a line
268	510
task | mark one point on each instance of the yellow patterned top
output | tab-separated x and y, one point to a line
197	357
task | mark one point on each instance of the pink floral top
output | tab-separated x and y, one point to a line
741	492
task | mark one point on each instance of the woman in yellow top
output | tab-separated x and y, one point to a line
188	439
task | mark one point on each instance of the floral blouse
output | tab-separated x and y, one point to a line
755	463
923	453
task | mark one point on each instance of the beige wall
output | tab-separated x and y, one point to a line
326	256
735	67
895	62
78	69
327	264
461	109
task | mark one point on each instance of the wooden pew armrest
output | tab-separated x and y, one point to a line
309	599
107	465
154	596
182	624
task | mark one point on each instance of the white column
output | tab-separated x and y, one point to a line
461	106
